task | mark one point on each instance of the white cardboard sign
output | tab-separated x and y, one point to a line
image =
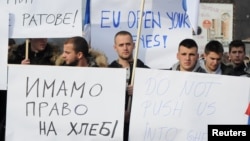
179	106
65	103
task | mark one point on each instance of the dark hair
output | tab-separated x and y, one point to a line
11	42
123	32
189	43
214	46
237	44
80	44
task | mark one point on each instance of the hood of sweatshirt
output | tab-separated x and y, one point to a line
202	64
176	66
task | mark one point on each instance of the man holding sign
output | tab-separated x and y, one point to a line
38	52
124	46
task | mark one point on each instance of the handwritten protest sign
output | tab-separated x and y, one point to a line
164	25
65	103
178	106
44	18
4	16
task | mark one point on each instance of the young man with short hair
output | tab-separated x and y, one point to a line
124	47
76	52
188	57
237	53
212	62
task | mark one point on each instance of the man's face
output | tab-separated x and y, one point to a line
124	46
38	44
69	55
212	60
187	58
237	55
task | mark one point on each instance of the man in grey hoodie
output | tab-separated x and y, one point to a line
212	61
188	57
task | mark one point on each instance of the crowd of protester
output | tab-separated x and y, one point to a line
77	52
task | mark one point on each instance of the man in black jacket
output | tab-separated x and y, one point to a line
237	54
124	46
40	52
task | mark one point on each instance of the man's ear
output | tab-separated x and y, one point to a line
80	55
